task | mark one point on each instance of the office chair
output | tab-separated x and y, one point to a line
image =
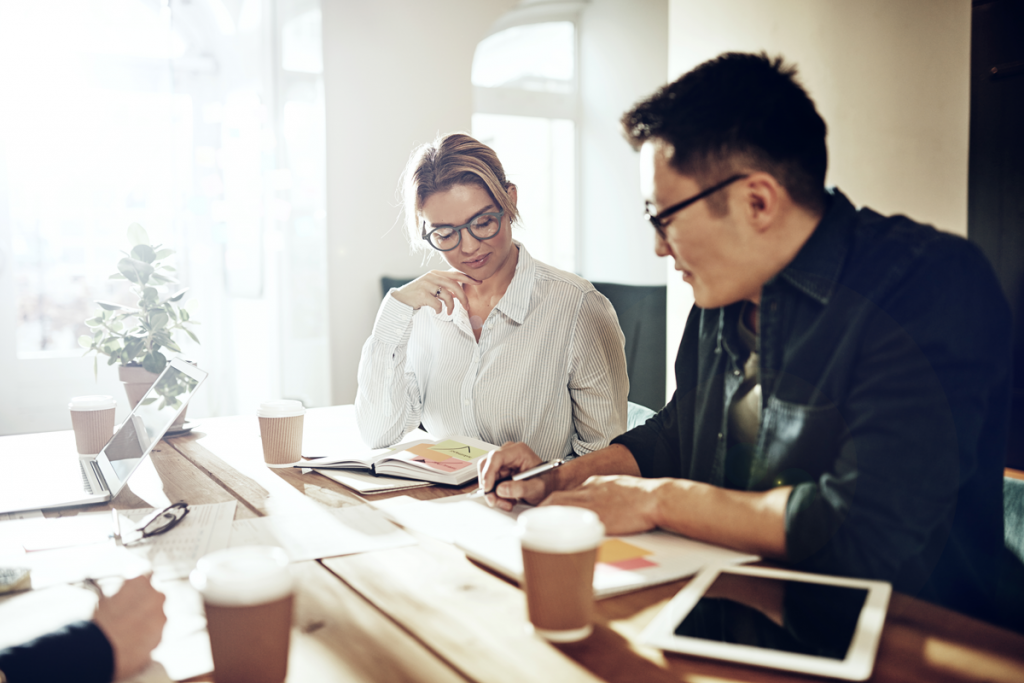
641	313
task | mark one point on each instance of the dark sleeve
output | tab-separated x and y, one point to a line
78	652
658	444
922	417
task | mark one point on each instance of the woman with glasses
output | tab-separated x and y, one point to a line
500	346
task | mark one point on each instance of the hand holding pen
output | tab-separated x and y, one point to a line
514	473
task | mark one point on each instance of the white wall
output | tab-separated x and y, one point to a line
396	73
623	49
890	78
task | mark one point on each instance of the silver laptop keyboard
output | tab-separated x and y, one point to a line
86	486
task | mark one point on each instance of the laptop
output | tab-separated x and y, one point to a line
97	478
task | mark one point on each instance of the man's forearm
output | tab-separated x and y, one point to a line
615	459
750	521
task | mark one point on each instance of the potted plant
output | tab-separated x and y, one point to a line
134	337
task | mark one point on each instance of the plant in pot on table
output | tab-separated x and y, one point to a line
134	337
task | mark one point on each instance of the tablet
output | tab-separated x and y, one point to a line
810	623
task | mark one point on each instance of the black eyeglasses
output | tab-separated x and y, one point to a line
154	524
483	226
658	220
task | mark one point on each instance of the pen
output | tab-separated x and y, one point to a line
525	474
117	527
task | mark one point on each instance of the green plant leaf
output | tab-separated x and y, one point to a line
172	346
143	252
154	362
159	279
114	359
110	306
159	319
137	235
149	400
149	296
184	315
117	276
177	296
94	322
171	312
194	338
116	326
135	270
164	253
85	341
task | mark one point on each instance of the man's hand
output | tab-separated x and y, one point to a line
510	459
626	505
133	621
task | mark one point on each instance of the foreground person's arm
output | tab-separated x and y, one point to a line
751	521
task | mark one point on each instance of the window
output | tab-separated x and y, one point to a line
201	121
525	85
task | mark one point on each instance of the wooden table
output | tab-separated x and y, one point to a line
426	613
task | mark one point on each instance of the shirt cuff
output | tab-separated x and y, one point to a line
393	325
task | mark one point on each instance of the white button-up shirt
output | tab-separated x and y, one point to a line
549	369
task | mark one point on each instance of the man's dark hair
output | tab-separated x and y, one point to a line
738	111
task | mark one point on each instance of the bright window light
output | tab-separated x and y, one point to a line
539	57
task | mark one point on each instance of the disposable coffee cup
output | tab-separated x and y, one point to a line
281	431
247	595
559	552
92	418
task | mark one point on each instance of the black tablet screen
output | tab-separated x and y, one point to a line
792	616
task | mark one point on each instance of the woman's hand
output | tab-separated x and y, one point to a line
438	289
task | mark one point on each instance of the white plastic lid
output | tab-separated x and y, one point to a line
560	529
280	409
237	577
96	402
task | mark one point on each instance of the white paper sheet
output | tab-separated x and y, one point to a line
327	533
489	536
204	529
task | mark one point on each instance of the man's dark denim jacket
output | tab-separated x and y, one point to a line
885	375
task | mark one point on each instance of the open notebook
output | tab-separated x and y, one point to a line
450	461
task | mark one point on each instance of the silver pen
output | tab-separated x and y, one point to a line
525	474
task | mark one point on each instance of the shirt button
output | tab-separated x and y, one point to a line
736	372
720	436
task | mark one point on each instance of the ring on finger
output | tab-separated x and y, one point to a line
437	293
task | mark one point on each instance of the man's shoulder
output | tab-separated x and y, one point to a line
885	250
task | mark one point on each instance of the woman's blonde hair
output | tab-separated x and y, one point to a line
438	166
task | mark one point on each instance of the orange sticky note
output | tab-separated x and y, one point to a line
616	550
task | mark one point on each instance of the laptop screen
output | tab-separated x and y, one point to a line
150	420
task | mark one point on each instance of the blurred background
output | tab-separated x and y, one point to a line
263	141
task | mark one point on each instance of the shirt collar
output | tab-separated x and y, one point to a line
817	266
516	302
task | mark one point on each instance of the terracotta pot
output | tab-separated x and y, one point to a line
137	381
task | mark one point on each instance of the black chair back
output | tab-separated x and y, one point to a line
641	312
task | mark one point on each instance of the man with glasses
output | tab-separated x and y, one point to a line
843	380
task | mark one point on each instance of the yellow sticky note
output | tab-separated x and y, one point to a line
616	550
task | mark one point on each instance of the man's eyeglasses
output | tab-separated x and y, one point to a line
658	220
154	524
484	226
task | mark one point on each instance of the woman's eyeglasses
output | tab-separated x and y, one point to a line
484	226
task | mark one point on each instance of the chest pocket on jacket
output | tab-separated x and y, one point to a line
797	443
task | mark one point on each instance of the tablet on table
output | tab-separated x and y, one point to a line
782	619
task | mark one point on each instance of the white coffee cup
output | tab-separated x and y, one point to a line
281	431
92	418
559	553
247	595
